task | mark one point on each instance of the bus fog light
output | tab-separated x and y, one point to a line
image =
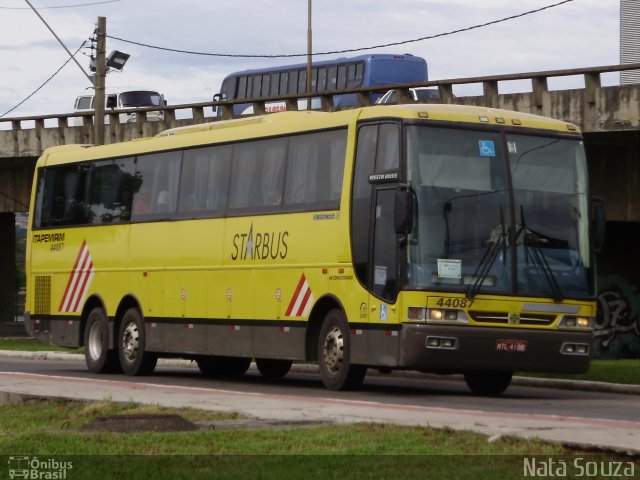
575	348
448	343
417	314
433	342
582	349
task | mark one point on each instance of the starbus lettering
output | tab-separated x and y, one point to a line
260	246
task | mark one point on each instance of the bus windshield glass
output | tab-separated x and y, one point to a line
498	213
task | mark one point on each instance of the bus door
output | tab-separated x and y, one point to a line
374	240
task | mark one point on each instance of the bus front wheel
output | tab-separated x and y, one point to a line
334	354
98	357
131	346
488	382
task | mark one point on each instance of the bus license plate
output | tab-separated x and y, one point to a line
511	345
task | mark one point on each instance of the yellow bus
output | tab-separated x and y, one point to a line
437	238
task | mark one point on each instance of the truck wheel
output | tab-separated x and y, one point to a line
98	357
336	370
131	346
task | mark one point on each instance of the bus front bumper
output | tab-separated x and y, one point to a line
455	349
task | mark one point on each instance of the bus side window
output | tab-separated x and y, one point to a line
322	79
257	175
315	167
275	84
302	81
242	88
110	191
342	77
257	84
284	83
62	199
293	82
204	181
157	194
332	77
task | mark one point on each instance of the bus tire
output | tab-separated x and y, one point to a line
131	346
98	357
488	382
273	368
225	367
336	370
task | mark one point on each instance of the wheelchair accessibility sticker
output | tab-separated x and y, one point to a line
487	148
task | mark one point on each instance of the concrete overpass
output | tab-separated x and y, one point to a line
609	117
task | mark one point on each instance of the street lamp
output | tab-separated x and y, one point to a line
117	59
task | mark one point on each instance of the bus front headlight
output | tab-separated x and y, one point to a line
576	323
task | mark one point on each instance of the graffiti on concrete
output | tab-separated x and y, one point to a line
617	328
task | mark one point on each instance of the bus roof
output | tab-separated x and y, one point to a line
301	121
336	61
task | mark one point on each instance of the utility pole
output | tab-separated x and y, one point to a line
309	51
101	73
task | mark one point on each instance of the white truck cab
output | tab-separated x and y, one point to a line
123	99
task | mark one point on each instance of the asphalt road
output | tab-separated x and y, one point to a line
389	389
604	420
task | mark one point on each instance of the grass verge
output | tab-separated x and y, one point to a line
50	429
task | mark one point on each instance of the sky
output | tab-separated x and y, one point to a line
580	33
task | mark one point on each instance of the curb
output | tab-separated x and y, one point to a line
567	384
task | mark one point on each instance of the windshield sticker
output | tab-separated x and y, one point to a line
448	268
487	148
513	147
380	275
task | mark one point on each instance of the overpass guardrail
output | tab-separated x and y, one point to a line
593	107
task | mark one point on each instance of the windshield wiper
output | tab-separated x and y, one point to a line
531	240
497	240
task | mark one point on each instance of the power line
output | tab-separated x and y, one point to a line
45	82
62	6
350	50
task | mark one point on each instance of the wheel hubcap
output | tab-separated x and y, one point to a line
95	341
333	351
130	342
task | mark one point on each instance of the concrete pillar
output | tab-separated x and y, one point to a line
7	266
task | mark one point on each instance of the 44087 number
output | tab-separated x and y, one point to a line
454	302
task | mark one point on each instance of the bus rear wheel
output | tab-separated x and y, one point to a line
334	354
98	357
226	367
273	368
488	382
131	346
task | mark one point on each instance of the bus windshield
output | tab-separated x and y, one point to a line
498	213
